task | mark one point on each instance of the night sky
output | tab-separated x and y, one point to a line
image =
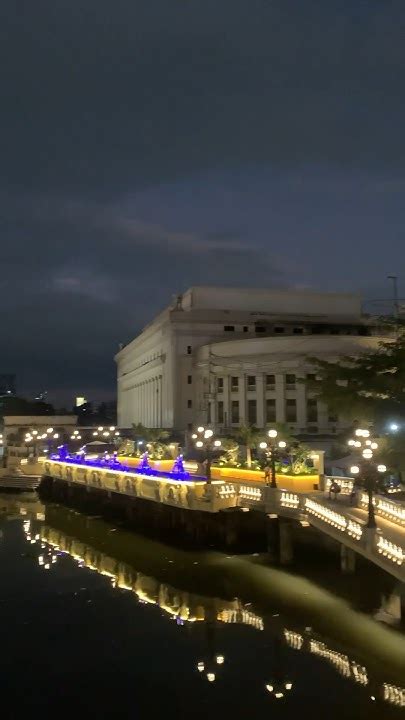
149	145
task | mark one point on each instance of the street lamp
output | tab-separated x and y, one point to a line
273	446
368	469
204	439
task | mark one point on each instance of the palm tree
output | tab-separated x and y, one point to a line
248	435
154	437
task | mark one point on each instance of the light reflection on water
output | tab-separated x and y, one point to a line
186	588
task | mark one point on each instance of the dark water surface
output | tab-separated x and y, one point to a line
97	621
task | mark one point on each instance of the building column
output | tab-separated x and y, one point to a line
280	398
260	401
160	402
301	397
242	397
323	417
227	401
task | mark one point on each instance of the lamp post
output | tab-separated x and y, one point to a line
368	469
273	446
204	440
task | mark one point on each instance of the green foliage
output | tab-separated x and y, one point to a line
368	388
231	456
153	442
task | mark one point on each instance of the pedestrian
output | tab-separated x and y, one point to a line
266	474
334	490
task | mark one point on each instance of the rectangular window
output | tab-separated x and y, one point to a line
188	349
220	384
311	377
220	412
235	412
298	331
260	329
290	382
270	410
251	382
270	382
189	404
245	328
312	410
252	412
291	411
234	384
189	379
229	328
279	330
332	417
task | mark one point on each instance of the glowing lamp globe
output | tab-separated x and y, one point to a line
282	444
263	445
382	468
200	429
208	434
217	443
354	470
199	444
374	446
367	454
272	433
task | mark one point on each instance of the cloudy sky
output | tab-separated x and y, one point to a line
149	145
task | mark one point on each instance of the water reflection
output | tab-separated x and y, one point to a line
83	544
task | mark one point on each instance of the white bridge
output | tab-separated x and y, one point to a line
384	546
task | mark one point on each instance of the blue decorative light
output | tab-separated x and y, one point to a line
111	462
178	469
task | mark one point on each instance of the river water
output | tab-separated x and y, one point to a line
98	621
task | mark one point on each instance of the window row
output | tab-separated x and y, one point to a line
270	411
270	382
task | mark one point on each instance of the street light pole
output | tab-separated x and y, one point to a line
369	472
273	449
205	439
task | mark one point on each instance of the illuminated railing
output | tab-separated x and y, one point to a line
390	550
226	491
346	667
345	484
293	639
247	492
240	616
387	508
289	500
354	529
394	695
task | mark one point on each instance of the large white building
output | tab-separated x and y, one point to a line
227	356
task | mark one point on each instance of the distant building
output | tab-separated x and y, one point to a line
7	384
80	401
227	356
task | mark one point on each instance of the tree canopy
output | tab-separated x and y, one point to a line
367	388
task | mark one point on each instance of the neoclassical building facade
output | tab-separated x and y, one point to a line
226	356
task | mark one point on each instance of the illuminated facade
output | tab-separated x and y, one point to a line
227	356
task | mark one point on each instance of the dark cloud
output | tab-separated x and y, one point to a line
147	146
